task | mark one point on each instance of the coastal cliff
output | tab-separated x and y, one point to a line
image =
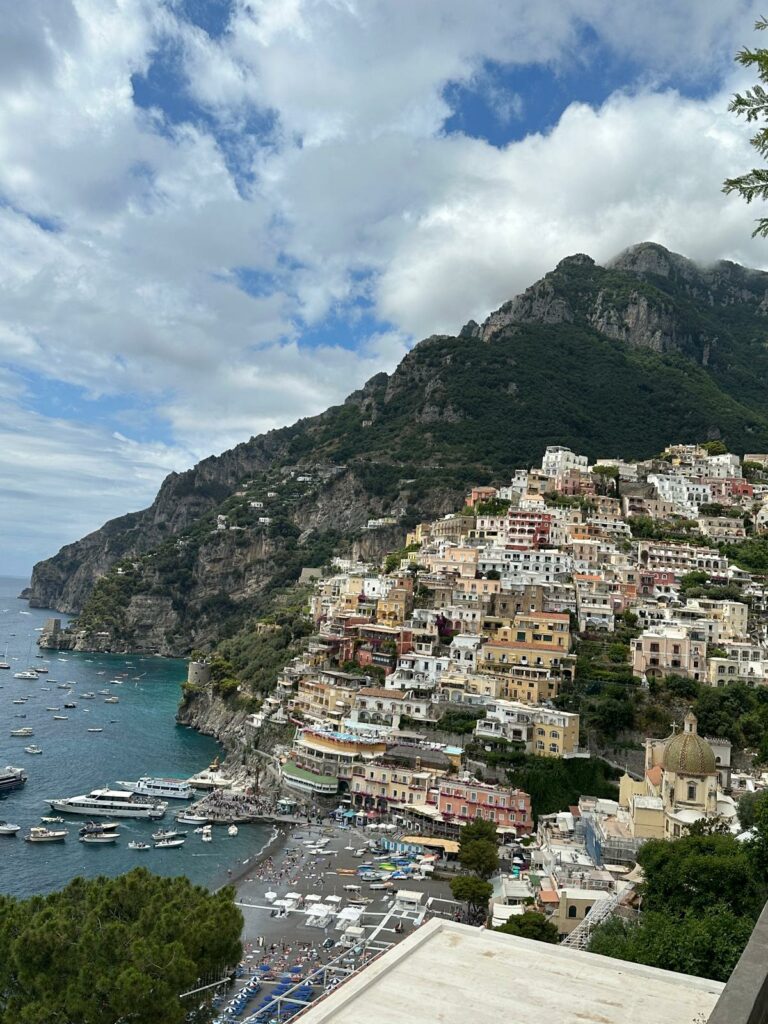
611	358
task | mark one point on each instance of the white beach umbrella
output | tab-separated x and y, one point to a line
270	895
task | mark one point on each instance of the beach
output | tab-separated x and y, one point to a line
279	942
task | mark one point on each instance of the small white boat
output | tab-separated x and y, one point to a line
133	845
39	834
53	709
112	700
93	838
58	821
105	693
25	675
39	670
61	718
87	696
95	729
232	830
167	844
7	829
26	731
191	819
33	749
207	837
167	833
19	700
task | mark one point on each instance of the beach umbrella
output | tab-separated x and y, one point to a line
333	899
293	895
313	897
270	895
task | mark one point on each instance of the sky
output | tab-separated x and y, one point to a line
218	216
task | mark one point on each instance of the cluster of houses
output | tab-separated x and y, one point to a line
481	617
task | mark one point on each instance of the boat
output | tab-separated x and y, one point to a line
59	821
105	693
188	818
232	830
25	731
61	718
206	837
33	749
166	844
63	686
95	729
380	885
109	803
70	704
20	700
39	834
7	829
167	833
25	674
53	709
87	696
94	838
39	670
165	789
112	700
133	845
95	827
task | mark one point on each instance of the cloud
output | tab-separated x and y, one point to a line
299	185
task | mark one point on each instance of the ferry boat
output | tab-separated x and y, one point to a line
40	834
164	789
110	803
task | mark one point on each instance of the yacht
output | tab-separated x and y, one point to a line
40	834
7	829
26	674
25	731
111	803
165	789
33	749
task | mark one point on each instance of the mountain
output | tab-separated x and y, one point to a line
611	360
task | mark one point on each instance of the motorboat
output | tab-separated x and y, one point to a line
7	829
20	700
39	670
24	731
94	838
164	789
105	693
110	803
57	821
133	845
40	834
53	709
112	700
25	674
167	833
88	696
61	718
95	729
96	827
188	818
232	830
33	749
167	844
70	704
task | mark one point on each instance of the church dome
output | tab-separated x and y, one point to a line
687	753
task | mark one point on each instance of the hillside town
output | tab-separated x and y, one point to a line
480	619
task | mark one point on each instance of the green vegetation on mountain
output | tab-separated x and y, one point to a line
608	360
115	949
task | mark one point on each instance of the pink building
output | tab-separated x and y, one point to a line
465	801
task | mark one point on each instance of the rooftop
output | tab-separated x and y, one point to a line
453	973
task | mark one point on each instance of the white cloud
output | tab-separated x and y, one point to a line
354	192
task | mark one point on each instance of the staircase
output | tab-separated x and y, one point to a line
600	911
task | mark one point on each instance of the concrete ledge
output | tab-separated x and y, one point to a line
744	999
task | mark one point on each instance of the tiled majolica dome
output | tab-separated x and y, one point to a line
687	753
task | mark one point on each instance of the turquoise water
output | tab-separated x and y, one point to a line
140	737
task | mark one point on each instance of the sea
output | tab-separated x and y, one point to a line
139	737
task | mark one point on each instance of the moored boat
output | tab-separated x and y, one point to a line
134	845
40	834
25	731
188	818
8	829
164	789
110	803
96	827
167	833
33	749
167	844
95	838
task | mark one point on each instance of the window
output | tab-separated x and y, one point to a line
571	911
691	790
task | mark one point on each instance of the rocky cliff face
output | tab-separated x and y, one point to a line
627	357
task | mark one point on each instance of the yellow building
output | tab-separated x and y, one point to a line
321	701
394	608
